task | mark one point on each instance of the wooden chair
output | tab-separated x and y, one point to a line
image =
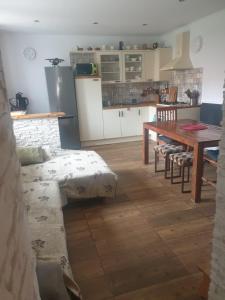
166	113
183	160
163	114
166	146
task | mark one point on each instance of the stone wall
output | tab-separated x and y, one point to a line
37	132
217	287
17	274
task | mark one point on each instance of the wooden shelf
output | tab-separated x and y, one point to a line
135	61
38	116
110	72
109	62
133	71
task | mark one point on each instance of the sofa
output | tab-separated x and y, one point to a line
47	187
80	174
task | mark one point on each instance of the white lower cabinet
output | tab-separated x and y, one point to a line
126	122
129	120
111	122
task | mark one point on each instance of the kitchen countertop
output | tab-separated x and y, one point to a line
152	104
38	116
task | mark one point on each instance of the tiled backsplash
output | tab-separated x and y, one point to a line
129	93
188	79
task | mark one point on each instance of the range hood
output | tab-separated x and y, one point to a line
182	59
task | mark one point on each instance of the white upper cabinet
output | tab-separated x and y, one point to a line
161	57
89	102
149	65
133	66
110	66
123	66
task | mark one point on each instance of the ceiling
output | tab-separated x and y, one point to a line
115	17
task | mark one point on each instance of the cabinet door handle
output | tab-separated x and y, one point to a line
119	113
139	112
95	79
117	80
122	113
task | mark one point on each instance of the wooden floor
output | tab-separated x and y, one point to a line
146	244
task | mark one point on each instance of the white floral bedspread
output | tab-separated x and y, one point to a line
80	174
48	239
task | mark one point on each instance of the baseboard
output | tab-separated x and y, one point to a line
111	141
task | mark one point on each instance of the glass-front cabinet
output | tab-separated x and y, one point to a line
110	66
133	66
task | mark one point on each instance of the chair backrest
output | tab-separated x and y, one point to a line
166	113
211	113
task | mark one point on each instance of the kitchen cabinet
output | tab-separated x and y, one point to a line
143	116
149	65
133	66
147	114
127	122
122	122
89	103
111	121
161	57
110	66
123	66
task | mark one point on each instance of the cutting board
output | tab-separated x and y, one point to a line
172	94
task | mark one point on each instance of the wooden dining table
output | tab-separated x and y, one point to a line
198	140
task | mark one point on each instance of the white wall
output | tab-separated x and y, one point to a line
28	76
212	55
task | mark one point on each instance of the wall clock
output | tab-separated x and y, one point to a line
29	53
197	44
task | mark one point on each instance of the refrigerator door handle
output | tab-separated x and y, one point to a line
67	117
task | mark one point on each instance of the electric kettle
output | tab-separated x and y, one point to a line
19	103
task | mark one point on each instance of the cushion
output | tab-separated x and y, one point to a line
167	149
50	280
182	159
165	139
30	155
212	154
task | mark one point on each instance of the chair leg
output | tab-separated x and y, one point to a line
183	179
167	167
156	163
172	174
171	177
156	159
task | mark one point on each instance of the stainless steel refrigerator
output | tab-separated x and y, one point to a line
62	98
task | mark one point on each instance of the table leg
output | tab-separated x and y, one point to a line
197	171
146	145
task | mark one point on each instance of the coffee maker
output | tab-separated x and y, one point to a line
19	103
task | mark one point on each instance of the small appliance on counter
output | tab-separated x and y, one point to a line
88	69
19	104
